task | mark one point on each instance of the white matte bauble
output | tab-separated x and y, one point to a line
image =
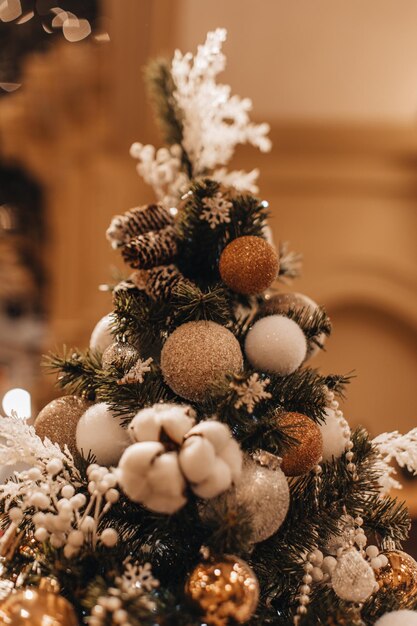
101	337
281	303
335	438
276	344
353	578
101	432
398	618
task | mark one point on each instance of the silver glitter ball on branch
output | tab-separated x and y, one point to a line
353	578
119	355
262	491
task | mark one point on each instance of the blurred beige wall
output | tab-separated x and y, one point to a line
336	80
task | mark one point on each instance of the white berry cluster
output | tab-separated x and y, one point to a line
162	170
64	517
171	452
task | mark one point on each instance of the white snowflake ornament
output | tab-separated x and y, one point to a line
171	452
250	392
216	211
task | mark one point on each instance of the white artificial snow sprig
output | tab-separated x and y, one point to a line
402	449
20	444
239	179
214	121
250	391
49	495
162	169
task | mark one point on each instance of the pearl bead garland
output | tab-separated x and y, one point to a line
349	455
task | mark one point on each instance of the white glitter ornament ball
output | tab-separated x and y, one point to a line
100	431
101	337
353	578
262	491
398	618
334	436
276	344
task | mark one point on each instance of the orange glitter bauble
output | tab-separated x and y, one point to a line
224	589
302	457
249	265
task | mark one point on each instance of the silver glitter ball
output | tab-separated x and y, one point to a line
353	578
262	491
119	355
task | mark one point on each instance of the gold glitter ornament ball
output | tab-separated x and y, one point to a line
302	457
224	589
399	575
197	357
36	607
249	265
58	421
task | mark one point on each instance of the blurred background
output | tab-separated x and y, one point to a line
337	82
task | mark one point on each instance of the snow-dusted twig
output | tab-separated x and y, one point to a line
214	121
401	448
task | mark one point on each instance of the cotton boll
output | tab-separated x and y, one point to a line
219	480
176	422
217	433
276	344
175	419
232	454
197	457
164	504
398	618
101	432
101	337
138	457
145	426
165	476
133	468
334	436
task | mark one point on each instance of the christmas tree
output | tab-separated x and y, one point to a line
199	470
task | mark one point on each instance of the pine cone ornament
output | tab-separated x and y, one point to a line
137	221
162	280
151	249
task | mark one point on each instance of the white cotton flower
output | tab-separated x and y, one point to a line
172	452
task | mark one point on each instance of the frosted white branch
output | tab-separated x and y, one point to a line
402	449
214	121
239	179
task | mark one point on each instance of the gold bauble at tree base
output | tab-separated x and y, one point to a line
225	589
399	575
36	607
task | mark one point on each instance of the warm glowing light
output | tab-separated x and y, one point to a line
17	401
173	211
